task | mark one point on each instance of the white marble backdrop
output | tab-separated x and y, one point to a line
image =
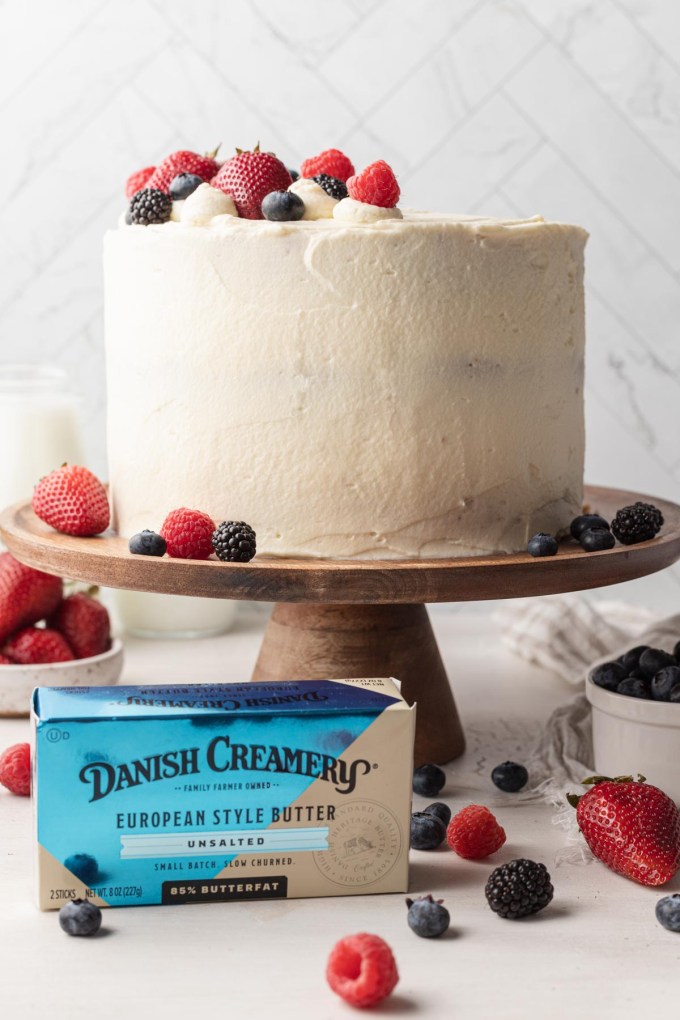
569	108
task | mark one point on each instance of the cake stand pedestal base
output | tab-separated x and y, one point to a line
313	642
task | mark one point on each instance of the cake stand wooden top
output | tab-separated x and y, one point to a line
105	560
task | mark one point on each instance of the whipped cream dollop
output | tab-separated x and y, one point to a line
319	205
205	203
350	211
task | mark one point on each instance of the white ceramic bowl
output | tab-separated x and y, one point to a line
632	735
17	682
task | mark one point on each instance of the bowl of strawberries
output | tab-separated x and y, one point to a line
49	638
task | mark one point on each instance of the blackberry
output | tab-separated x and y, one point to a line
633	688
332	186
427	917
664	681
518	889
608	675
80	917
150	206
509	777
234	541
542	545
439	810
585	523
427	831
428	780
596	539
637	523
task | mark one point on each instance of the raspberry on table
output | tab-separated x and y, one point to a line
518	888
331	162
188	534
15	769
474	833
376	185
361	969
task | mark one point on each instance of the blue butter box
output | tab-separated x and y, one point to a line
199	793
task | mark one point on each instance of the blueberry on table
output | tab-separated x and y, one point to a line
633	688
427	831
654	659
147	543
442	811
428	780
667	912
596	540
281	206
663	683
80	917
608	675
542	545
585	522
427	917
83	866
510	776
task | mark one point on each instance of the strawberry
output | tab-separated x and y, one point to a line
376	185
632	828
330	161
137	181
15	769
72	500
4	661
188	534
183	162
84	623
37	645
26	595
248	177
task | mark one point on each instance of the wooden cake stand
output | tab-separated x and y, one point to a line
349	618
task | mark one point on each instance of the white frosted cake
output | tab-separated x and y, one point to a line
350	386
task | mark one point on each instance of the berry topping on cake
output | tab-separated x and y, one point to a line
427	831
518	888
331	185
542	545
149	206
597	539
428	780
427	917
26	595
72	500
331	162
248	177
188	534
183	162
80	917
282	205
15	769
362	970
509	776
474	833
184	185
637	523
376	185
138	180
147	543
37	645
84	623
234	541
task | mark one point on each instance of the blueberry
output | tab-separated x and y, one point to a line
608	675
282	205
147	543
427	831
654	659
633	687
80	917
428	780
427	917
184	185
676	652
630	660
442	811
675	694
542	545
83	866
596	540
585	522
667	912
509	776
664	681
293	173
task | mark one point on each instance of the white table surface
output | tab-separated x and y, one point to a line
596	951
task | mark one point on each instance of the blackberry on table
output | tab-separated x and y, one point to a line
518	888
332	186
150	206
234	541
639	522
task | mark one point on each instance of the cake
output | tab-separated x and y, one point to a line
372	383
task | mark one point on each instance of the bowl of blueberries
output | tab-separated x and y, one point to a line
635	701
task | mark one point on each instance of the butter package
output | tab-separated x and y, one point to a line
198	793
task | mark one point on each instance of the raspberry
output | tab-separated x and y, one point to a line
248	177
84	622
376	185
332	162
183	162
188	534
72	500
137	181
37	645
15	769
4	661
361	969
474	833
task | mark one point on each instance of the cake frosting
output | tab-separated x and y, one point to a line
352	386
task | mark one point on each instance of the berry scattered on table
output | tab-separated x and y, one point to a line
428	780
26	595
633	687
183	162
149	206
84	623
609	675
234	541
597	540
282	206
184	185
331	162
639	522
654	659
427	831
15	769
138	180
630	660
248	177
361	969
509	776
667	912
72	500
442	811
518	889
331	185
474	833
188	534
84	867
542	544
376	185
631	827
37	645
663	683
147	543
585	522
80	917
427	917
